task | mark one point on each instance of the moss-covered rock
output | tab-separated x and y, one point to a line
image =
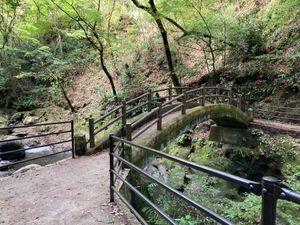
233	136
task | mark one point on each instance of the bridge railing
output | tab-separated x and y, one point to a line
269	188
159	104
69	129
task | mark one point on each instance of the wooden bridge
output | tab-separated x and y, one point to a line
220	104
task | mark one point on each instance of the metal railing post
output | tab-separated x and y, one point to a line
203	95
159	116
128	129
73	142
183	108
170	93
111	168
218	93
149	105
124	113
269	200
91	132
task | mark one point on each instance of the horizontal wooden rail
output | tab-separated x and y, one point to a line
137	98
136	107
107	125
108	114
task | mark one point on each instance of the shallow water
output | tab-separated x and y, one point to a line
33	153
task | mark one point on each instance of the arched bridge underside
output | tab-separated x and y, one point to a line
176	123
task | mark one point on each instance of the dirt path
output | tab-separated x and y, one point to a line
70	192
277	127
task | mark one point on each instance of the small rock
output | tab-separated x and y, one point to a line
27	168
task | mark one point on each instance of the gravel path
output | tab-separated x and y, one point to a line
71	192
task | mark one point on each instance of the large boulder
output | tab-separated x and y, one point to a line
233	136
30	120
3	123
15	118
11	146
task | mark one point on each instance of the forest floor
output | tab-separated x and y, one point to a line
68	192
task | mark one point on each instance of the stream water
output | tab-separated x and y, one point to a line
33	153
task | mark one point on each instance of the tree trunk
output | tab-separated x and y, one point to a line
108	74
154	13
164	36
67	99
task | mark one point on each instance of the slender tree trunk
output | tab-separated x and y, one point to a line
154	13
67	99
164	36
111	81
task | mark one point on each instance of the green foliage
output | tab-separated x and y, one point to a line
187	220
247	37
278	12
184	139
246	212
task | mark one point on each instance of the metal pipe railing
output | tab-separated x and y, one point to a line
270	189
36	136
177	193
69	140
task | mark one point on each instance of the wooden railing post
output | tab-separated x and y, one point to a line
149	101
247	105
203	95
91	131
230	97
218	93
124	113
127	150
170	93
183	108
159	116
239	103
251	113
128	129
